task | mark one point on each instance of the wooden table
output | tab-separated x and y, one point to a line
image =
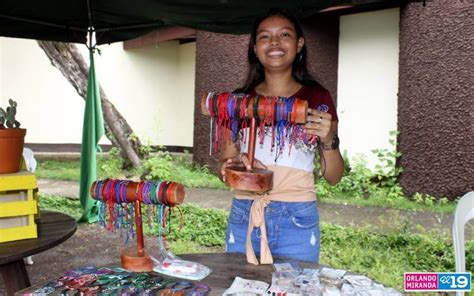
225	267
53	229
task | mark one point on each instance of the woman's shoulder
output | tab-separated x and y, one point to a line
313	91
318	98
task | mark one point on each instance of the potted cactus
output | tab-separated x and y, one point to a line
12	139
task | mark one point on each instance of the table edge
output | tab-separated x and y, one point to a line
14	258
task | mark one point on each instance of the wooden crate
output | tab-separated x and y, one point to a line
18	206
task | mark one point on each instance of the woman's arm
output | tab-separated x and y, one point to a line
228	151
321	124
330	160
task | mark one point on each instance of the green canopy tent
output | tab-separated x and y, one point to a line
119	20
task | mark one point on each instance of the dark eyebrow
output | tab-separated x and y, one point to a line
284	28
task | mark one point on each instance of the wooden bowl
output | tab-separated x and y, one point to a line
255	180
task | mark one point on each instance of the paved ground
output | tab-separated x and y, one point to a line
379	219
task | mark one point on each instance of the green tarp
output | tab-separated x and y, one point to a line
117	20
92	131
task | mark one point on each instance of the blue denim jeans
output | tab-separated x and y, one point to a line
292	229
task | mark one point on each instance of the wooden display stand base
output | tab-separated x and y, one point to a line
133	261
255	180
135	258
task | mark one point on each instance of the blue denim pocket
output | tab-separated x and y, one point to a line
236	216
304	215
236	234
298	232
238	212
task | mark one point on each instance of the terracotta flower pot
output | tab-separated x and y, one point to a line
11	149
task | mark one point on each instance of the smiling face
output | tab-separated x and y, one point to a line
277	43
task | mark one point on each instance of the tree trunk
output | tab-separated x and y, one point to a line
67	58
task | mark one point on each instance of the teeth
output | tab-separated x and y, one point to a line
276	53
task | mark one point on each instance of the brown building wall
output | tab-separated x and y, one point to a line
322	39
435	108
221	65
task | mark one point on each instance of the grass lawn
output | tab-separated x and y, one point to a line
379	200
67	170
177	170
180	170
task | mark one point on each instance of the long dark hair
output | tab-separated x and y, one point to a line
256	72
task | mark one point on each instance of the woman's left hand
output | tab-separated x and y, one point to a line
320	124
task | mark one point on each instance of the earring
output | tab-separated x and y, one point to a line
300	58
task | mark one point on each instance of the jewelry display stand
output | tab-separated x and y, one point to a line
136	258
255	179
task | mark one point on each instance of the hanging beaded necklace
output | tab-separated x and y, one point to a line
116	210
276	116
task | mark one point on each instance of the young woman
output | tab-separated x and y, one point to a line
285	221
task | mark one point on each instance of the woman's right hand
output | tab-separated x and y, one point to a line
240	159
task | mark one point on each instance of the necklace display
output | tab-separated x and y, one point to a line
234	114
120	210
282	117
